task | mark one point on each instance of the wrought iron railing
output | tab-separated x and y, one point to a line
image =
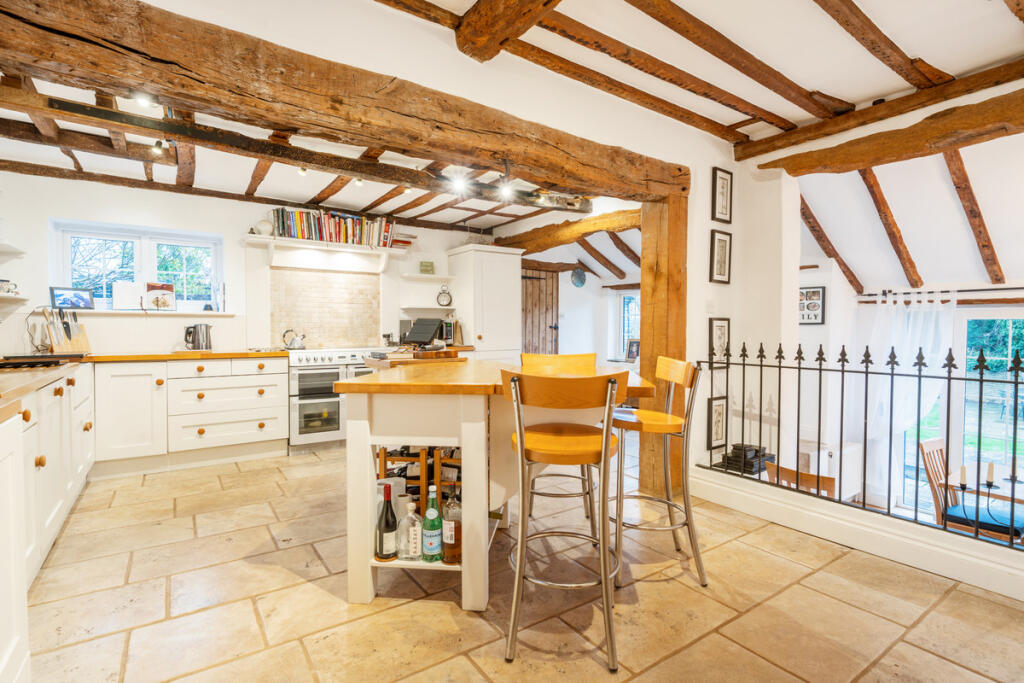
813	427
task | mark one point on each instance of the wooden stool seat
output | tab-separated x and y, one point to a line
649	421
561	443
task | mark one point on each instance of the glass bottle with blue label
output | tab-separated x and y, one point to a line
432	533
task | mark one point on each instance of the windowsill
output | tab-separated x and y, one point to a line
156	314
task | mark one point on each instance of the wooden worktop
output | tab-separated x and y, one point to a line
183	355
18	382
471	377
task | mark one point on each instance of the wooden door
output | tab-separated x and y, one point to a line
540	311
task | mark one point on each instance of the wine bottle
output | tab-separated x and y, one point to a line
432	551
387	530
409	531
452	531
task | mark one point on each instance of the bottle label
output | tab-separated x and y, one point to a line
431	541
388	543
431	513
414	539
449	531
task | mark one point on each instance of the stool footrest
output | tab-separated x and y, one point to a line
564	586
651	527
577	477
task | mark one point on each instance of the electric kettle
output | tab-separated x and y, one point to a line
197	337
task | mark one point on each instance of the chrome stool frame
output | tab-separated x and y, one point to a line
586	483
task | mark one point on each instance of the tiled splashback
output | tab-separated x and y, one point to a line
332	309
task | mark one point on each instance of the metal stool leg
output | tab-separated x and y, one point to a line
518	587
667	470
690	527
533	484
588	500
606	581
587	486
619	480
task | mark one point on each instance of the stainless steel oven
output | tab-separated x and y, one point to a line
314	381
315	419
317	414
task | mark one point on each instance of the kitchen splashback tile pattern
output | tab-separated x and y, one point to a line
332	309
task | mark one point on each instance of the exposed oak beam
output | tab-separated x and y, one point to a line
626	250
704	36
819	235
949	129
486	26
626	286
332	188
549	266
396	191
46	126
1004	73
582	34
186	153
117	137
239	77
147	168
848	15
892	230
85	142
962	183
1017	7
263	165
605	262
567	232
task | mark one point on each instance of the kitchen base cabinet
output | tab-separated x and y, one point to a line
131	410
83	442
206	430
14	652
52	481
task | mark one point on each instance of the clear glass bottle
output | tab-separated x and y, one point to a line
432	529
452	531
409	531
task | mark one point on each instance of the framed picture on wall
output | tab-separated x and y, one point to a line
812	305
721	195
632	349
717	414
718	339
721	256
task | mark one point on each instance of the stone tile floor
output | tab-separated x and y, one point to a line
236	572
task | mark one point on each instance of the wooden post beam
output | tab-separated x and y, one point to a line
962	183
117	137
489	24
567	232
624	248
186	152
605	262
818	233
892	230
1017	7
86	142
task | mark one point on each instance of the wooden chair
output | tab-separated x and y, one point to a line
564	443
676	373
808	480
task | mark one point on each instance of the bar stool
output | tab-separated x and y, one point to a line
686	375
564	443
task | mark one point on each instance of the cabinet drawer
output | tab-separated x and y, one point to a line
82	384
206	430
213	394
199	368
258	366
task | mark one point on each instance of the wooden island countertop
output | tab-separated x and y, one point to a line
471	377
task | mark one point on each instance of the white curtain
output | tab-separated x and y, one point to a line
926	325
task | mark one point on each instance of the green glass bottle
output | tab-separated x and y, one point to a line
432	546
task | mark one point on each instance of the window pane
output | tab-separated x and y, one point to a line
96	263
188	268
630	319
991	335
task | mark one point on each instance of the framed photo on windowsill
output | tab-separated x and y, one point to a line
632	349
721	257
721	195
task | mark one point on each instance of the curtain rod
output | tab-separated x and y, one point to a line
911	292
959	302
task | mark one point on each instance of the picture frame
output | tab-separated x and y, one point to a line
720	268
426	267
719	333
721	195
632	349
812	305
160	297
717	431
71	298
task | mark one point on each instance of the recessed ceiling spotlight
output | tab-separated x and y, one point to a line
458	184
407	190
144	100
359	181
302	170
506	190
158	146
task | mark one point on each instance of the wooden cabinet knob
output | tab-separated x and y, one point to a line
58	391
159	382
87	427
261	425
41	461
260	392
200	396
26	415
199	368
71	381
480	337
200	431
260	366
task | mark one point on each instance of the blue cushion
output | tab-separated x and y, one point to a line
998	520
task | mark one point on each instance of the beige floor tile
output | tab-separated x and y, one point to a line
251	478
794	545
813	635
432	630
250	576
907	663
568	520
334	552
112	518
740	575
95	485
549	650
638	560
141	494
54	624
652	618
307	485
889	589
68	549
307	529
298	611
731	516
272	463
221	521
186	644
989	595
283	664
311	504
93	500
188	475
95	661
711	532
65	581
333	468
331	451
222	500
979	634
432	581
200	552
715	659
455	670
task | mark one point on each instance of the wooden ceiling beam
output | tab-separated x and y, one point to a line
820	236
997	75
549	266
46	126
949	129
962	183
489	24
847	14
117	137
263	165
147	168
1017	7
242	78
624	287
581	34
86	142
704	36
186	152
605	262
624	248
396	191
567	232
332	188
892	230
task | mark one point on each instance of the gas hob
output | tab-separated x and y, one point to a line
328	357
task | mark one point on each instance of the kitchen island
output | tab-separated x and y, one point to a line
447	405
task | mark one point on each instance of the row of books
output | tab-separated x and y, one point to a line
335	226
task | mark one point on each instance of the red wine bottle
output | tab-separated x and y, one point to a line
387	530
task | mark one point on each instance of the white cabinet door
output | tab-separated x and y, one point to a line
498	303
29	453
83	443
131	410
13	586
52	465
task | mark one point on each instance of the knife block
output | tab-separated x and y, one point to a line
79	342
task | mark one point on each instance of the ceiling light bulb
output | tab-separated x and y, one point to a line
459	184
506	190
302	170
158	146
359	181
144	100
407	190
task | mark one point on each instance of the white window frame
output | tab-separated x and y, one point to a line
620	325
145	240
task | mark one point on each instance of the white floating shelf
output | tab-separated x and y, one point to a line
292	243
427	308
6	250
417	564
13	298
423	277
